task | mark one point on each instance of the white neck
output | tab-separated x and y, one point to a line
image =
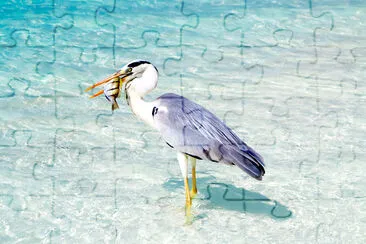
141	108
139	85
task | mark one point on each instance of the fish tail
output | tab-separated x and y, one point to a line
115	106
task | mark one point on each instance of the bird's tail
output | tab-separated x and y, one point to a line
115	105
246	159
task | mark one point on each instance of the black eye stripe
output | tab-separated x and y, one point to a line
137	63
134	64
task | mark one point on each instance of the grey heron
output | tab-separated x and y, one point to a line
189	128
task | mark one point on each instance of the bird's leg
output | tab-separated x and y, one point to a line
193	191
183	163
188	198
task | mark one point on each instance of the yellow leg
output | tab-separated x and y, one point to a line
188	199
183	164
194	184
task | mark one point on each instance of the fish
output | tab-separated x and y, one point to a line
112	91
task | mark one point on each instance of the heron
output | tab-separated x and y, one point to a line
189	128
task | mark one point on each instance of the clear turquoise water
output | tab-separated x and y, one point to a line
287	76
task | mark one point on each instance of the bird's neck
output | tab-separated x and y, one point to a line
141	108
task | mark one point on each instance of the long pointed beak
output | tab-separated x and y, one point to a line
118	73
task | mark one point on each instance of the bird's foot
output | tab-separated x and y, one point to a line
189	216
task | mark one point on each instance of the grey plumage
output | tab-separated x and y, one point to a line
194	130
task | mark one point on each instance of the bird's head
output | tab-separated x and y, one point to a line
138	75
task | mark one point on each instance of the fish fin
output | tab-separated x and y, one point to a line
115	106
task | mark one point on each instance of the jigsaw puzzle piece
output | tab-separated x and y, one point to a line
299	170
244	86
41	25
65	61
201	35
82	33
186	62
351	156
334	48
25	109
149	49
14	222
14	38
74	210
19	188
70	163
18	64
338	96
326	60
68	93
138	193
143	13
25	145
244	22
185	72
72	182
331	226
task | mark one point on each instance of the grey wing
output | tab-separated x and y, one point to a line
192	129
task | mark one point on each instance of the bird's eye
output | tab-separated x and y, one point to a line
129	70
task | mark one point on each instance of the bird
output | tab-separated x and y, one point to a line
192	130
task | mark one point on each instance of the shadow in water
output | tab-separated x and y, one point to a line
230	197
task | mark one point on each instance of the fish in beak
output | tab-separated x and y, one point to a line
112	91
121	74
112	87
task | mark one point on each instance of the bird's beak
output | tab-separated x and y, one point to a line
120	73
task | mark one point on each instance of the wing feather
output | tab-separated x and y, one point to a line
192	129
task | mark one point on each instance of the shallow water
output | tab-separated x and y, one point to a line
287	76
